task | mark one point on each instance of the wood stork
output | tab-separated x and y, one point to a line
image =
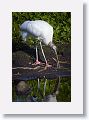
43	32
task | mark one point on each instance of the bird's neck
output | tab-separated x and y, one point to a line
51	44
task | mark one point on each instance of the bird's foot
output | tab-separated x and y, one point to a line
47	66
37	63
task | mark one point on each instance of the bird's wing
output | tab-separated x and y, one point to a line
34	29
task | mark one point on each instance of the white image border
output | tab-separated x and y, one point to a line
76	104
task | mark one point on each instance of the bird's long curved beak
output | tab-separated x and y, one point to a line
58	65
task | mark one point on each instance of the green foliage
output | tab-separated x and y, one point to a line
61	22
64	90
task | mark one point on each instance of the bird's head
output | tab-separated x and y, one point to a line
53	46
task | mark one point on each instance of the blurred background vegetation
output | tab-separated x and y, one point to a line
61	22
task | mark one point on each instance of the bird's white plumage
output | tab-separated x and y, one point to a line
38	28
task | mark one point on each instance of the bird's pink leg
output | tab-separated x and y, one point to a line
47	65
37	61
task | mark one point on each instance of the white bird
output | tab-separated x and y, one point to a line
43	32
